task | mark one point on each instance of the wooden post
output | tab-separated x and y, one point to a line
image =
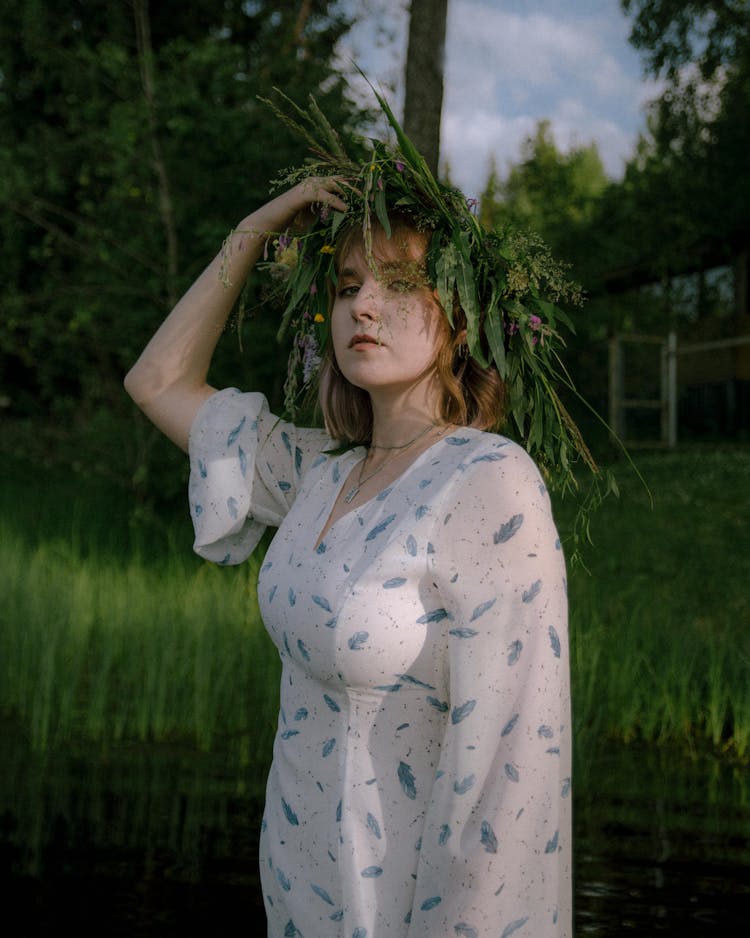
616	413
672	390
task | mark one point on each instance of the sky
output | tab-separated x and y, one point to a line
510	64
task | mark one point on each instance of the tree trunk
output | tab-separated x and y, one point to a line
425	61
148	83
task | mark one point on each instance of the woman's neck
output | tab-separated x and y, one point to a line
396	418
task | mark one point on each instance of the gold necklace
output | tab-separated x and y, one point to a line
373	446
354	490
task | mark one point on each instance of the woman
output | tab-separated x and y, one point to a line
415	590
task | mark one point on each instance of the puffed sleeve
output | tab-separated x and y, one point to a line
496	847
245	468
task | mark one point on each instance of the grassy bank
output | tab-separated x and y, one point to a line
112	633
105	637
660	637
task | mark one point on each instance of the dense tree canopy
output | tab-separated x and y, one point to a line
548	191
689	180
676	33
131	139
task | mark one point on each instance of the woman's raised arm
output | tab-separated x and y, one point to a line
169	380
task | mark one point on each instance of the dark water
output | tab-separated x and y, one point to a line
163	842
662	846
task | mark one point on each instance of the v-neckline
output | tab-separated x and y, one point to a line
325	531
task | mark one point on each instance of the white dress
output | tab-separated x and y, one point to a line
420	783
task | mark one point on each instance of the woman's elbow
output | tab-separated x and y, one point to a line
141	385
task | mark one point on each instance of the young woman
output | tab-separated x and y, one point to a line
415	590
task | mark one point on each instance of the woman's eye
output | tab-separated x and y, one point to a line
350	289
402	286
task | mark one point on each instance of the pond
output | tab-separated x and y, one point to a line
662	846
162	842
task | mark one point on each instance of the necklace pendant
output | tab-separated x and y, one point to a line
351	494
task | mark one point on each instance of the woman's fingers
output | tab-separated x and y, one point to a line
317	195
324	190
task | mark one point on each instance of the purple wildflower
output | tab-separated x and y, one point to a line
310	356
284	241
400	167
535	322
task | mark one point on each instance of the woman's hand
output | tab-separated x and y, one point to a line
299	206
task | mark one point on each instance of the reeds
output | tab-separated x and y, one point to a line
640	675
105	645
659	630
98	649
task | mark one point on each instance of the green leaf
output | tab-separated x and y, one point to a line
381	211
299	285
336	219
536	433
445	271
494	330
518	403
326	128
467	294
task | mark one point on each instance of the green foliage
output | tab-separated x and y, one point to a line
559	196
112	634
674	33
683	201
687	189
552	193
127	150
660	648
113	650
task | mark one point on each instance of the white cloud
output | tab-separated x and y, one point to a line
470	141
510	64
535	49
506	70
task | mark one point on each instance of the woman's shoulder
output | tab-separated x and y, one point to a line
493	459
487	446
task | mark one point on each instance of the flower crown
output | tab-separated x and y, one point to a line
506	282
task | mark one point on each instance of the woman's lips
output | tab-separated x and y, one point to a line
362	341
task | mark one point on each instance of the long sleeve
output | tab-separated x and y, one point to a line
245	468
496	847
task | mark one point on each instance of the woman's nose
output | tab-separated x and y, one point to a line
365	305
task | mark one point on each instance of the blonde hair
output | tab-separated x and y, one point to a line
471	395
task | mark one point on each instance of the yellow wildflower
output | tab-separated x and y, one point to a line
319	317
328	249
287	256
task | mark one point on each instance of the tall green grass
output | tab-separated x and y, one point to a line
103	645
105	640
660	628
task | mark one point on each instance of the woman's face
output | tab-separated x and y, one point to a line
386	325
